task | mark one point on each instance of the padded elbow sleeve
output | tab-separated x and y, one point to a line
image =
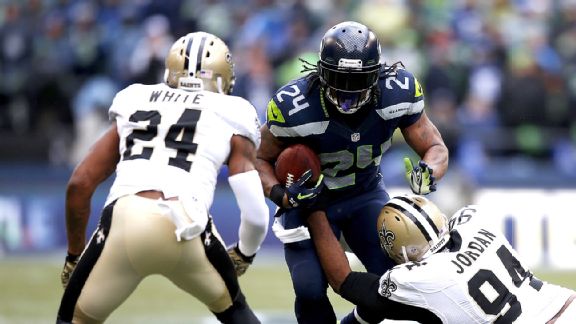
361	289
254	215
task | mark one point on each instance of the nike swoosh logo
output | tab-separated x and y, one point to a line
301	196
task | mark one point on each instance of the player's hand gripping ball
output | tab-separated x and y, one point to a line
298	170
293	161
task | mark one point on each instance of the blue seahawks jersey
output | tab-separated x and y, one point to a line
350	155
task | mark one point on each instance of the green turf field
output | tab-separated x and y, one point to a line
30	292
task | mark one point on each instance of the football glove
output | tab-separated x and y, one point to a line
69	266
299	195
241	262
419	177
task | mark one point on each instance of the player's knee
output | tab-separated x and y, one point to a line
221	304
81	317
308	281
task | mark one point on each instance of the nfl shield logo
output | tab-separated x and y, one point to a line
355	137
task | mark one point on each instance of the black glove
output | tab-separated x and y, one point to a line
299	195
241	262
69	266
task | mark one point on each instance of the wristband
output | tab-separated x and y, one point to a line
242	255
71	257
277	194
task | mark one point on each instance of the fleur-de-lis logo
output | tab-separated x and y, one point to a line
387	286
100	237
386	238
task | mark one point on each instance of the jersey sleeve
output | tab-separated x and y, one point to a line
414	98
121	99
291	113
402	98
245	121
278	113
407	284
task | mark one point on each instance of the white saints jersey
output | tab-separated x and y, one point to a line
176	141
479	280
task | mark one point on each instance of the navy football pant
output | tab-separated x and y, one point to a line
356	219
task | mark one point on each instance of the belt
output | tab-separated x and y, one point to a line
557	316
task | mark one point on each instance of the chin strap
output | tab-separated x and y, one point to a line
404	254
219	85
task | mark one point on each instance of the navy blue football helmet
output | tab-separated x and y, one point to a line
349	65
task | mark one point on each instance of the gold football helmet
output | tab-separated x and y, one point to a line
409	226
200	61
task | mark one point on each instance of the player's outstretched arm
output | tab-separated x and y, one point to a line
246	185
425	139
97	166
330	253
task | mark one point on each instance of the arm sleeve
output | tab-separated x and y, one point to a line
254	213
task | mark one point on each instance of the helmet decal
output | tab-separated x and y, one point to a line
386	238
411	227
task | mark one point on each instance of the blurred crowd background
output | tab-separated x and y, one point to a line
499	76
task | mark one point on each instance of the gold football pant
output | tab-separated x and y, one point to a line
135	239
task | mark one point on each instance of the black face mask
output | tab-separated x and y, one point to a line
348	102
348	88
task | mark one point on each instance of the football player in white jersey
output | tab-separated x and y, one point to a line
457	270
167	144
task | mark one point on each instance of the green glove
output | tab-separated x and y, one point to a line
419	177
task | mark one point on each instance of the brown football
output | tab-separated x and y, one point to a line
293	161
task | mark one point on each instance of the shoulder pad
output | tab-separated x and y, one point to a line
401	95
295	110
288	100
122	98
242	116
463	216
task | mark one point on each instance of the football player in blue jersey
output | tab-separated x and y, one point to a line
346	109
